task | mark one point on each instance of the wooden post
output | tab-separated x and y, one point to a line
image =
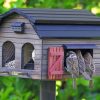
48	90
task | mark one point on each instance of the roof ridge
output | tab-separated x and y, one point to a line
52	9
57	15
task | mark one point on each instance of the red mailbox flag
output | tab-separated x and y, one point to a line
55	62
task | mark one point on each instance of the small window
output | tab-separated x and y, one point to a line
27	59
8	54
18	27
84	48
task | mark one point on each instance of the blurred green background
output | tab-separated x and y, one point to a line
12	88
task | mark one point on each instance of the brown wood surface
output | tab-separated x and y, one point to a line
59	42
48	90
29	36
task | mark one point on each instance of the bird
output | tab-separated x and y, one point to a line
81	64
90	67
10	64
72	66
30	64
33	55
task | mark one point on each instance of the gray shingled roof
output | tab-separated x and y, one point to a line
60	23
59	16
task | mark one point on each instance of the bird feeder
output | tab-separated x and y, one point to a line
49	34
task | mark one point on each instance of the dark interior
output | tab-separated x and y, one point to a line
8	52
27	61
83	51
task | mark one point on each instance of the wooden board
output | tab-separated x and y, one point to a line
29	36
59	42
48	90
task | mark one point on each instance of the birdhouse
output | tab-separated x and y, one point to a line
34	42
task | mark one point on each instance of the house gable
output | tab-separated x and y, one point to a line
7	31
7	35
45	20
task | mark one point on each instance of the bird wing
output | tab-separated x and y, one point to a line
81	64
90	67
72	64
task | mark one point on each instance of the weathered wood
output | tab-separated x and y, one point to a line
60	16
0	60
9	30
68	41
59	42
18	55
96	51
18	58
21	40
19	36
54	11
34	74
11	20
47	90
22	76
29	36
8	25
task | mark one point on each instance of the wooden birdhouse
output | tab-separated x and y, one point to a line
34	42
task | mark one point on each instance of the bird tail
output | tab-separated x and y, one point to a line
86	76
74	83
91	84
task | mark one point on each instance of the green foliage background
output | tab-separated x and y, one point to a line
12	88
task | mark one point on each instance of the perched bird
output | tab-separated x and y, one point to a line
90	67
30	63
10	64
82	66
72	66
33	55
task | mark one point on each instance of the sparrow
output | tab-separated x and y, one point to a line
82	66
72	65
90	67
33	55
10	65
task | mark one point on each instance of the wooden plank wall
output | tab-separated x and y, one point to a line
48	90
58	42
30	36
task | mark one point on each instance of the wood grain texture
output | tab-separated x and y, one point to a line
33	74
48	90
21	40
59	42
29	36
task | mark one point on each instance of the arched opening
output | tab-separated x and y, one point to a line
27	60
8	54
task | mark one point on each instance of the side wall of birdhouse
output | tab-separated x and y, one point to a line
47	43
29	36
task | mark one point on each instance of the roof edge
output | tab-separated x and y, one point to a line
15	10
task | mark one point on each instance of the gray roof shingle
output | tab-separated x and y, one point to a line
59	16
60	23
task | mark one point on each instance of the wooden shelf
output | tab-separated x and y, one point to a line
24	73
